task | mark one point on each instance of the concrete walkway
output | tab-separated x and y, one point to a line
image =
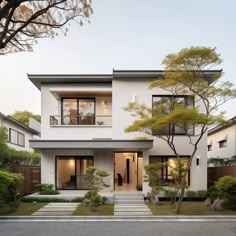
57	209
130	204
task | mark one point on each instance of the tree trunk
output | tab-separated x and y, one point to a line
181	196
182	187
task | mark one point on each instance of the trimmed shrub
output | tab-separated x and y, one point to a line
92	199
202	193
226	189
9	187
77	199
38	199
191	193
46	189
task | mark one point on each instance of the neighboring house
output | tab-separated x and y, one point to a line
18	133
83	123
222	140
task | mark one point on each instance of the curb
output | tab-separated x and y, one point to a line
182	218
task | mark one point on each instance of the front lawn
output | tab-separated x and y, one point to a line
103	210
187	208
25	209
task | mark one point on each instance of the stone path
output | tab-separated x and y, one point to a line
130	204
57	209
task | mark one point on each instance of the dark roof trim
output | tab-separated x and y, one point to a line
11	119
38	79
93	140
222	127
93	144
150	73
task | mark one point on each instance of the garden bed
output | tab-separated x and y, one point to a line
187	208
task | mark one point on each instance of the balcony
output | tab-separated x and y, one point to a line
76	120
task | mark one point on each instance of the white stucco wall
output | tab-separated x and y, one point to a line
230	149
121	120
51	105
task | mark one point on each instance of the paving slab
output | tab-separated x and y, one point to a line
137	213
57	209
130	205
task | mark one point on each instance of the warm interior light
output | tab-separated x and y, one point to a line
72	163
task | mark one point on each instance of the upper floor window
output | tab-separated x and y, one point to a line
165	104
222	143
78	111
16	137
209	147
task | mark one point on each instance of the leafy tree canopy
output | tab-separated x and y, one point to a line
23	116
186	73
220	161
22	22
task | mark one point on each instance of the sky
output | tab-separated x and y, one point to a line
124	34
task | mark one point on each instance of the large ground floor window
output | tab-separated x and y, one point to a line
70	172
171	164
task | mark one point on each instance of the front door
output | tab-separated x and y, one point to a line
128	168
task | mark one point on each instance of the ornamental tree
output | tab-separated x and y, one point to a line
23	116
22	22
186	73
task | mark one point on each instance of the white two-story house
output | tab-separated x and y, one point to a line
83	123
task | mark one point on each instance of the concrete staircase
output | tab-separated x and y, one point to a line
130	204
57	209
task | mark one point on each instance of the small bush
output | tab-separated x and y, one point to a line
226	189
38	199
9	186
78	199
212	193
46	189
202	193
49	192
92	199
104	199
191	193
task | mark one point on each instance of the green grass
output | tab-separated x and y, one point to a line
187	208
25	209
103	210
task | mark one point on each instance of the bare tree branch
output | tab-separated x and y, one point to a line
27	20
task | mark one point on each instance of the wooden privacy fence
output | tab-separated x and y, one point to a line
32	177
214	173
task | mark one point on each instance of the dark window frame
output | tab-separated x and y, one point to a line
17	134
209	147
164	159
77	101
171	128
222	143
75	158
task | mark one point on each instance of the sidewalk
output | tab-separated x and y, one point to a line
118	218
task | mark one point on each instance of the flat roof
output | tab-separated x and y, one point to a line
38	79
122	145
